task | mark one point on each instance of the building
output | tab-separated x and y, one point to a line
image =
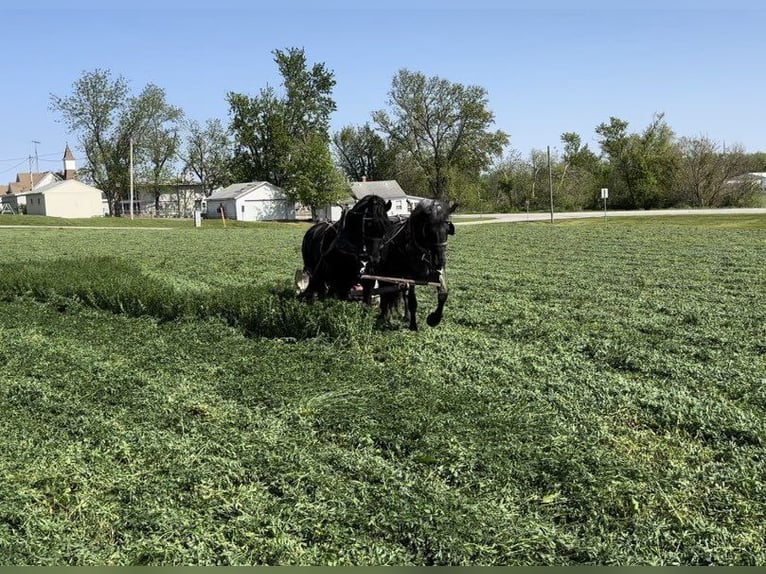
17	195
69	198
251	201
401	203
753	180
164	200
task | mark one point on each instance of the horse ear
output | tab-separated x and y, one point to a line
453	207
388	205
451	229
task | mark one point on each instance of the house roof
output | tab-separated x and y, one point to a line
67	185
236	190
387	189
24	179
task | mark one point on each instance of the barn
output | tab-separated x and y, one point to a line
69	198
251	201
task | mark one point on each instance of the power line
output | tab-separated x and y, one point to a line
47	155
15	166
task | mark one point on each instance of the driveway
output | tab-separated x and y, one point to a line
476	218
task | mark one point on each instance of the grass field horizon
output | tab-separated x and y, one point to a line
596	394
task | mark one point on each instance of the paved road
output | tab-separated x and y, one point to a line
517	217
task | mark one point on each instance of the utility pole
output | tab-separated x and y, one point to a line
131	178
37	161
550	180
37	167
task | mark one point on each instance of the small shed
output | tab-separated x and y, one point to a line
69	198
251	201
333	212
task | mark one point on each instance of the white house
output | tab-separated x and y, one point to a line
401	203
251	201
69	198
15	198
332	212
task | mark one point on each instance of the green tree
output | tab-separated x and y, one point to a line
207	154
261	137
313	179
641	166
362	153
274	134
443	127
159	144
107	119
578	174
507	185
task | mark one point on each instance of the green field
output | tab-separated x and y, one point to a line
596	394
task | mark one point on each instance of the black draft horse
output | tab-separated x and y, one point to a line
334	254
415	249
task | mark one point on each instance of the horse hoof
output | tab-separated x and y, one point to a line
433	319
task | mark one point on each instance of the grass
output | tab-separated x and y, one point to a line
595	395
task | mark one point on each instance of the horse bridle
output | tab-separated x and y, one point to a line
355	251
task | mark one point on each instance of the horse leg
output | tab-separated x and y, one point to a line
367	287
412	307
435	318
317	286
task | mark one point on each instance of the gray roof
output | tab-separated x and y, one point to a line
236	190
388	189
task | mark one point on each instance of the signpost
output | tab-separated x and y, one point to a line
604	196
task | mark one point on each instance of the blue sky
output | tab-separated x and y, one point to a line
548	67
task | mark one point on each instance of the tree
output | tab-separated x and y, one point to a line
508	183
362	153
443	127
107	120
261	137
641	166
578	175
207	154
313	179
275	135
159	143
705	172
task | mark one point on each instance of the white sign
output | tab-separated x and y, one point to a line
604	192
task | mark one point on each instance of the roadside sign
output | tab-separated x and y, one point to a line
604	192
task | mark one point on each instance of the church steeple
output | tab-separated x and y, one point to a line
70	171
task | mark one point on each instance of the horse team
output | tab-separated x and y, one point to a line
366	246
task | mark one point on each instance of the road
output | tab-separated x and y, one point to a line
476	218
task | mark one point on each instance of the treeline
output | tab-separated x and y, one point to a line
434	137
642	170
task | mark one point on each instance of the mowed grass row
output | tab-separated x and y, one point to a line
594	395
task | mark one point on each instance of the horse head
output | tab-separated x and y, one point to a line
430	226
368	220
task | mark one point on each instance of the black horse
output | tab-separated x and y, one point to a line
334	254
414	249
